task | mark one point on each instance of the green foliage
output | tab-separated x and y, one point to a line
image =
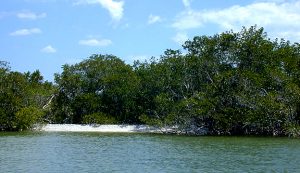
152	121
230	83
102	83
19	95
98	118
293	130
27	117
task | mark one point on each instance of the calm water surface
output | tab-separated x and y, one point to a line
98	152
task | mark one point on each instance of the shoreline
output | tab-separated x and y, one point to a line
103	128
107	128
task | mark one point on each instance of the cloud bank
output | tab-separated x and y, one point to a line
279	18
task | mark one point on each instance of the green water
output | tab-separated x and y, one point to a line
98	152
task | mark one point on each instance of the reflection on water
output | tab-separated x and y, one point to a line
98	152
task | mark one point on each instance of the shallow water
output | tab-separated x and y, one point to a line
112	152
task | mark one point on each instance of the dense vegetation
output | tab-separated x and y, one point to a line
230	84
22	97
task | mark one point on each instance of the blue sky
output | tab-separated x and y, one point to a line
45	34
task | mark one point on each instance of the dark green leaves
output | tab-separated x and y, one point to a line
22	97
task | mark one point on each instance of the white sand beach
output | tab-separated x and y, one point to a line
102	128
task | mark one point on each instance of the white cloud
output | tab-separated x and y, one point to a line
188	20
115	8
23	32
186	3
180	38
95	42
48	49
275	16
30	15
154	19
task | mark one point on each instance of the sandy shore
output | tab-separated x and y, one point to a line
102	128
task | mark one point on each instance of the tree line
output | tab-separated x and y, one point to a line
233	83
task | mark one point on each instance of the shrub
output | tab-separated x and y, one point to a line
99	118
26	117
293	131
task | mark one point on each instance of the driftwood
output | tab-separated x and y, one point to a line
49	101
